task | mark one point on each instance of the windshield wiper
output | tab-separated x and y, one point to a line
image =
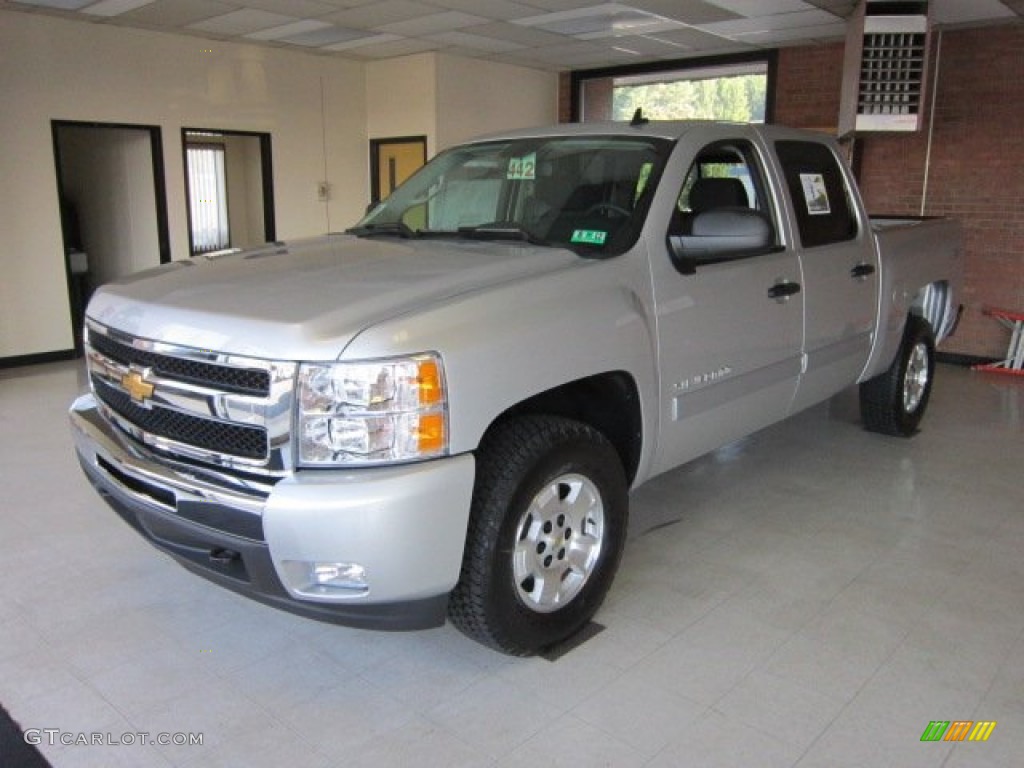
399	228
500	232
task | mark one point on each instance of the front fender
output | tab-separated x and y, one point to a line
505	344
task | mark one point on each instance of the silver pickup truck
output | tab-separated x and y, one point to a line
442	411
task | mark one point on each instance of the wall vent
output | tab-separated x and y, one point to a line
885	68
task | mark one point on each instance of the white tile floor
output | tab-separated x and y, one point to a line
814	596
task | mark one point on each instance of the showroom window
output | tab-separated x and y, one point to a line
734	88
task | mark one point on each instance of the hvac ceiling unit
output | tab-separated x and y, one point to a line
884	72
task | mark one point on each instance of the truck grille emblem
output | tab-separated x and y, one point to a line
135	384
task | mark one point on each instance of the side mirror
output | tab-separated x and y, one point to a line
721	235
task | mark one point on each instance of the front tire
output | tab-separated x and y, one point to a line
545	537
894	402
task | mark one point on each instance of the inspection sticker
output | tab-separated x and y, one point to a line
588	236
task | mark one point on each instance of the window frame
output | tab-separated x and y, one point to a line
799	203
763	202
578	77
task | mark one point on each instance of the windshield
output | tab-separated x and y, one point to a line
587	193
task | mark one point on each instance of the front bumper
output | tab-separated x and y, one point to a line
405	525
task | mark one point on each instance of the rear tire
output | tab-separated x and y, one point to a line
894	402
546	532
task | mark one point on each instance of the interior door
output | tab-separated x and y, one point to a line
730	334
393	161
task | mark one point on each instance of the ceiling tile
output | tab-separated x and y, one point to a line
604	20
303	9
376	15
643	45
958	12
319	38
114	7
523	59
762	7
841	8
289	30
492	9
62	5
397	48
688	11
696	40
437	22
474	42
242	22
360	42
176	13
559	5
833	31
740	27
517	34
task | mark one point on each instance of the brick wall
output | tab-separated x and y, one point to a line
976	172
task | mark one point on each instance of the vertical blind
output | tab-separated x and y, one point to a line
208	202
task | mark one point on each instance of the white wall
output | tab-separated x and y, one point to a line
449	98
56	69
320	111
401	98
477	97
108	176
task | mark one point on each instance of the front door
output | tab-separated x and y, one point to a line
730	333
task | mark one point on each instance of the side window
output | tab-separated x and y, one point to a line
818	192
722	211
723	176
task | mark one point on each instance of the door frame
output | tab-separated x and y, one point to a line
375	147
266	177
159	189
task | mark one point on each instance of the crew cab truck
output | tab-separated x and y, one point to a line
442	410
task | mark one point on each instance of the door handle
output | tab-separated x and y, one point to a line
782	291
862	271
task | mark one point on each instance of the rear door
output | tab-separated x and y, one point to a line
840	268
729	329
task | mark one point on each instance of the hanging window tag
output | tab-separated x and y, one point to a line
522	168
815	194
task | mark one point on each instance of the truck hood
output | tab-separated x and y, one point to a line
306	300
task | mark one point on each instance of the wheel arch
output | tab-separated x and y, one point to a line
609	402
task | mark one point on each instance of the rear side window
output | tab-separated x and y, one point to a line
818	193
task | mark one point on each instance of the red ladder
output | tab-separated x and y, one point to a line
1014	362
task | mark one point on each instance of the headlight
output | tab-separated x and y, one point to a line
372	412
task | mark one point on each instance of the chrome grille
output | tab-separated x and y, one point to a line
205	434
221	409
246	381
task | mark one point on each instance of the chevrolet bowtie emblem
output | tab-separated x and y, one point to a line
136	385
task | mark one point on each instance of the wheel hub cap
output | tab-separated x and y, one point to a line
916	381
558	543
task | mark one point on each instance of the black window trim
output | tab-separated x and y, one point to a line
769	57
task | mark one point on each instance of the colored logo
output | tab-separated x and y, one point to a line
958	730
135	384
